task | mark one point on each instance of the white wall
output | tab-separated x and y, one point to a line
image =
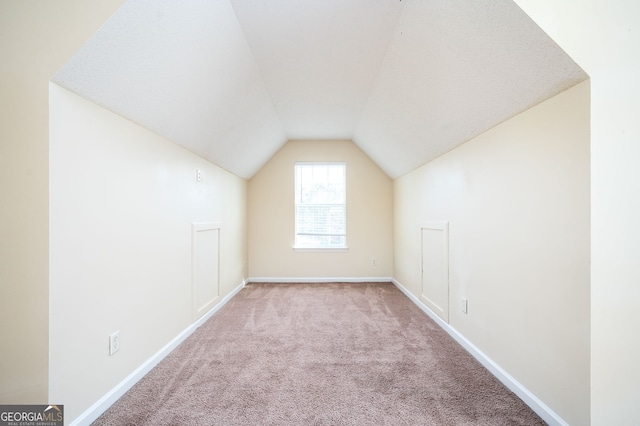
517	202
36	38
369	216
122	204
604	38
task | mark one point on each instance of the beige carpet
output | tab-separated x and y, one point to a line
319	354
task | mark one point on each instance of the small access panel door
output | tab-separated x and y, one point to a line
205	267
435	267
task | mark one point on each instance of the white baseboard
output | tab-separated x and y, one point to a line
121	388
539	407
319	280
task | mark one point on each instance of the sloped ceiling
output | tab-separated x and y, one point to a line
233	80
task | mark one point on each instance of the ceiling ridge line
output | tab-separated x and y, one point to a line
259	68
379	71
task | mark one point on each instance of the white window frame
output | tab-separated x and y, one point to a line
298	247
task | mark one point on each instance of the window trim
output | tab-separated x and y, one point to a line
297	249
311	249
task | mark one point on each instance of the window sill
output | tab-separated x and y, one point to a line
320	249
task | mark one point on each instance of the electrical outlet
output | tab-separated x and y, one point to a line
114	342
198	175
464	305
374	262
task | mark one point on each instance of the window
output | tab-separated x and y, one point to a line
320	205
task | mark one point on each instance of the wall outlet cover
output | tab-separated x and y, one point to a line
114	342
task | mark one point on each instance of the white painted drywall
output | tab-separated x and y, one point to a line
271	216
123	201
183	70
318	59
604	38
517	202
36	38
452	71
406	80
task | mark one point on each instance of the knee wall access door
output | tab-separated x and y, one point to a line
205	267
435	267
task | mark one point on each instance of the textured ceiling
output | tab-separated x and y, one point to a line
233	80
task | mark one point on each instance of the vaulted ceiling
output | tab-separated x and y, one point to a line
233	80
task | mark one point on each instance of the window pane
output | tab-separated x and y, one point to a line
320	205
